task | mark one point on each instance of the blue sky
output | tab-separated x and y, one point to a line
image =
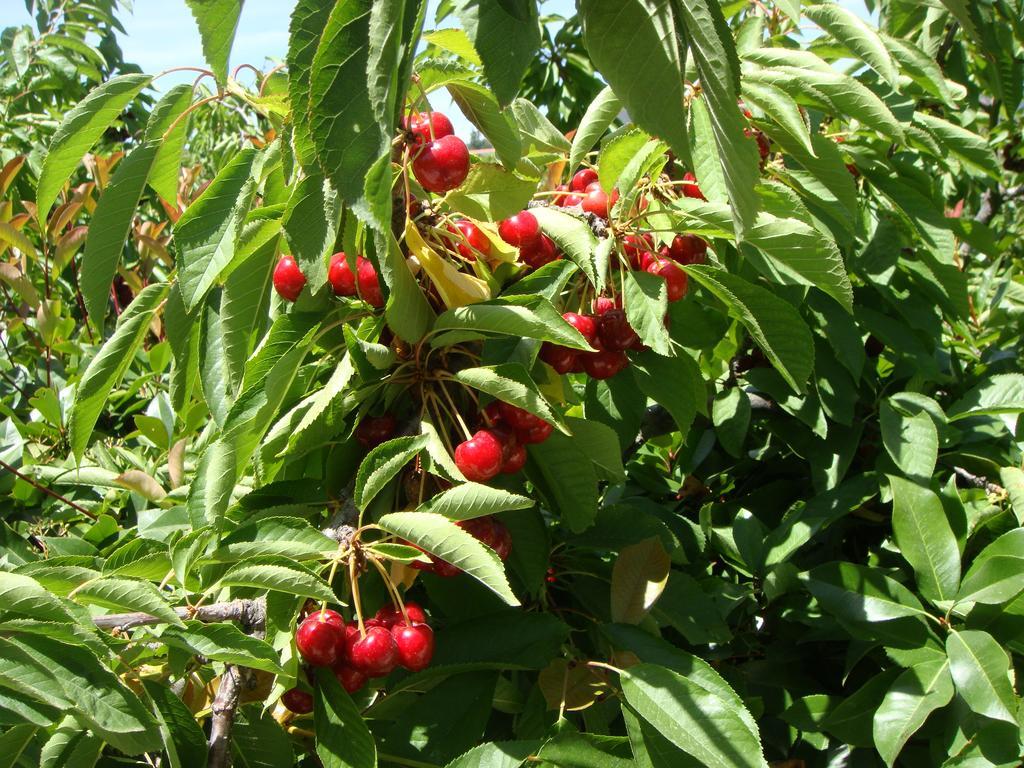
162	35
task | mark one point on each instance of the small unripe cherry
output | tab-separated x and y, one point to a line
480	458
288	279
422	124
583	179
298	701
442	164
340	276
471	239
369	283
520	230
415	645
374	654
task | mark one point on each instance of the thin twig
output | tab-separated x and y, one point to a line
250	613
35	484
223	708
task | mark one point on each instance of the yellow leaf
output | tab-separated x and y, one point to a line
578	685
456	288
8	234
639	577
500	250
143	484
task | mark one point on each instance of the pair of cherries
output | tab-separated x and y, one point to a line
364	282
523	231
585	191
325	639
440	158
487	530
500	448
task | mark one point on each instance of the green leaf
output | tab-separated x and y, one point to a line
600	444
13	742
507	42
469	500
307	23
981	672
859	593
616	153
565	477
645	298
502	754
80	129
441	537
971	148
244	305
511	383
284	536
108	367
911	441
599	115
674	382
914	695
127	595
780	107
925	539
773	323
542	133
483	111
1002	393
854	33
530	317
997	574
217	21
311	227
279	575
111	222
184	741
574	237
649	86
730	414
455	41
691	716
227	643
166	168
70	747
342	738
207	232
24	596
491	193
408	313
382	464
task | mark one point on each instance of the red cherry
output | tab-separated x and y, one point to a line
480	458
520	230
389	615
445	569
298	701
634	245
586	325
515	461
692	189
369	283
442	164
288	279
534	435
319	638
422	123
557	199
474	239
571	200
687	249
538	255
603	304
374	430
415	644
604	365
506	436
562	359
492	411
675	278
599	202
374	654
501	540
517	417
583	179
616	332
340	276
351	679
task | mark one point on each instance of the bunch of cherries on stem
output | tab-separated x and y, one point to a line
364	282
499	447
440	159
355	653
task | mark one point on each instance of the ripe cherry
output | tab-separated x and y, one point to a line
604	365
571	200
288	279
389	615
374	430
538	255
415	645
442	164
616	332
374	654
351	679
480	458
764	146
521	230
516	460
517	417
604	304
583	179
557	199
471	239
691	188
687	249
369	283
562	359
599	202
634	245
534	435
423	123
298	701
320	637
675	278
340	276
586	325
501	540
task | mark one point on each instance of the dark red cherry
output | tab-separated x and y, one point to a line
520	230
374	430
351	679
534	435
616	332
518	418
516	460
687	249
586	325
389	615
543	252
374	654
562	359
340	276
369	283
480	458
604	365
634	245
415	644
288	279
501	540
583	179
691	188
604	304
423	123
675	278
319	638
442	164
298	701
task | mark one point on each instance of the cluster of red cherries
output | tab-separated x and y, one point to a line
500	446
488	530
389	640
364	282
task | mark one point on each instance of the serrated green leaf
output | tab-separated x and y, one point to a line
483	111
469	500
217	21
165	171
506	43
280	576
382	464
645	298
342	738
530	317
599	115
511	383
121	594
24	596
853	32
184	741
227	643
574	237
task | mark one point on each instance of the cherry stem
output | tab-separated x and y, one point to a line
392	589
330	577
455	411
357	603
